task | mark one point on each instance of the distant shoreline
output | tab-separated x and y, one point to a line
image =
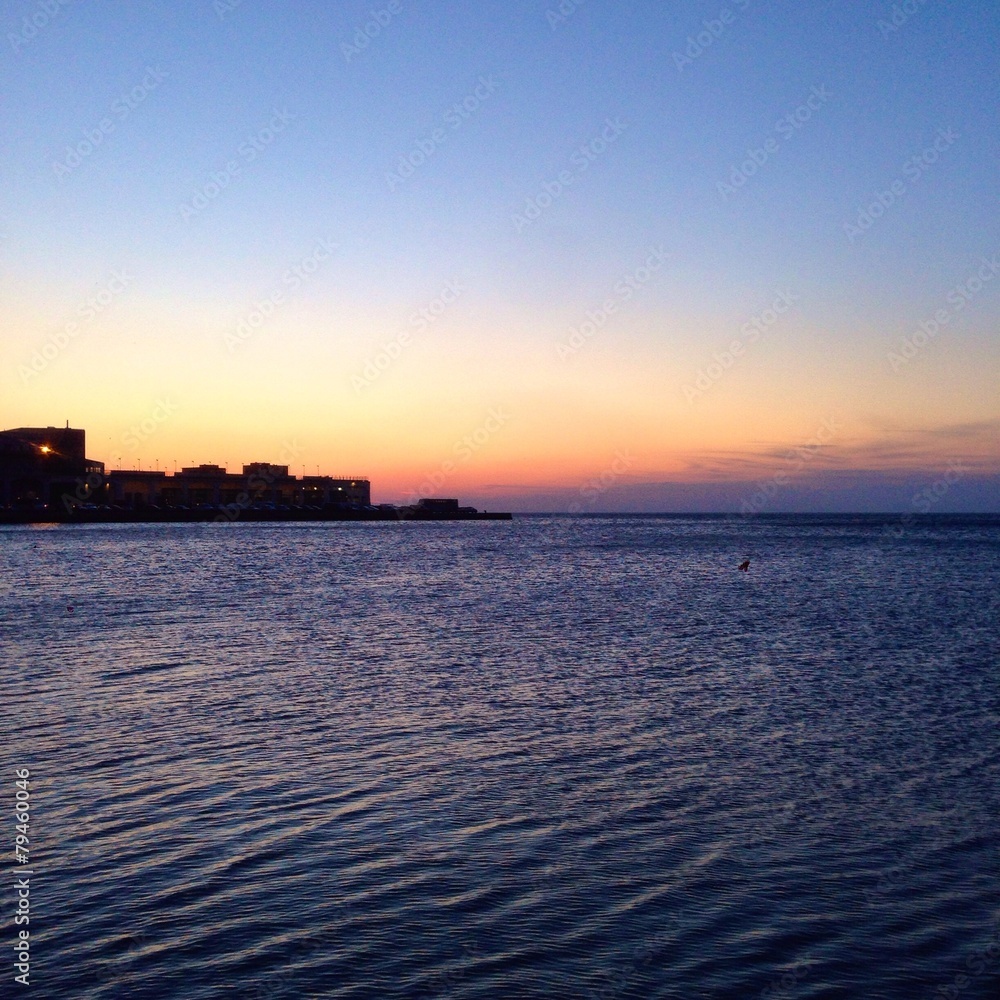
222	516
391	513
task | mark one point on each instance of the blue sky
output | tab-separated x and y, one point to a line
285	131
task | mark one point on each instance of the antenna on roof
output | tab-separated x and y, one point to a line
67	425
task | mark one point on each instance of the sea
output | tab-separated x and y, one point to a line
570	757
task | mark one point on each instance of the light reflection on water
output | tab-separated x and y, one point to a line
550	757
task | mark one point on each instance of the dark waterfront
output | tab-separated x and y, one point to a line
553	757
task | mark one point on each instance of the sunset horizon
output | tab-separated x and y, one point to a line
237	237
813	476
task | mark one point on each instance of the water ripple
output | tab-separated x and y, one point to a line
549	757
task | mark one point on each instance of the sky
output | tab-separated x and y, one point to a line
592	255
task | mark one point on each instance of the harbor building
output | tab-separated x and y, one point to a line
48	467
260	482
46	477
39	465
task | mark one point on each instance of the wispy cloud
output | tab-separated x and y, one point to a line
896	451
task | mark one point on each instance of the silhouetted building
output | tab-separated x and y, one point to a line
260	483
47	465
135	489
438	506
438	509
45	477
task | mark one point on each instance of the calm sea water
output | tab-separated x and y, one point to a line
554	757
